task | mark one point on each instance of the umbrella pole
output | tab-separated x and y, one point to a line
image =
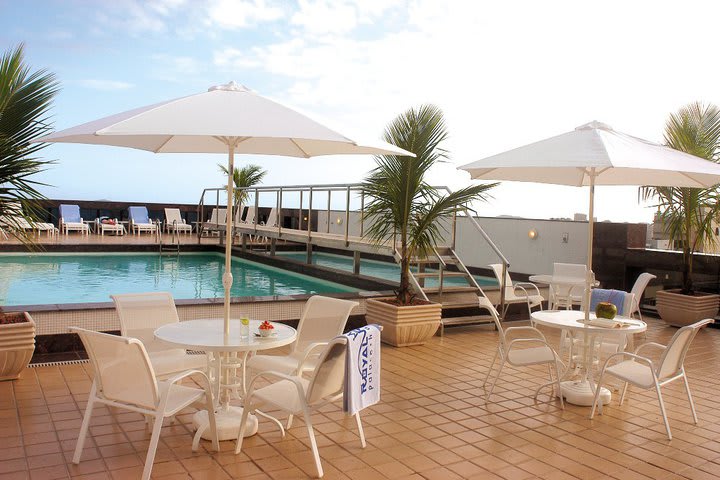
588	275
227	278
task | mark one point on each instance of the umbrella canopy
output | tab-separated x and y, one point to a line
226	119
595	154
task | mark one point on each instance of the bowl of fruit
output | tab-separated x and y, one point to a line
266	329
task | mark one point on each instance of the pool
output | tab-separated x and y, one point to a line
375	268
88	278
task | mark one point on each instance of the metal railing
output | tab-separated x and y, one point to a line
316	193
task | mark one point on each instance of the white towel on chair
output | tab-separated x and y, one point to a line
362	369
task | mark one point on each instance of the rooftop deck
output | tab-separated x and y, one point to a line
432	423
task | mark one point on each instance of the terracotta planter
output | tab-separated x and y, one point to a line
679	310
17	344
404	326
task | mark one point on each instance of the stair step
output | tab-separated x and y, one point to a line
426	275
454	274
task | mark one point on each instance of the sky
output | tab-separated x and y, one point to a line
504	73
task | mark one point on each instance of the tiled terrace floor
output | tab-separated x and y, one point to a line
432	423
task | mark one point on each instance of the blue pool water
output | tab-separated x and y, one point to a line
45	278
377	269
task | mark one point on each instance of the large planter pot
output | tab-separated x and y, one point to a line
679	310
17	344
404	326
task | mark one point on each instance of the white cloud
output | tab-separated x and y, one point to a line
325	16
232	14
105	85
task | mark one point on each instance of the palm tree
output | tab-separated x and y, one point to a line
25	101
244	178
687	213
402	204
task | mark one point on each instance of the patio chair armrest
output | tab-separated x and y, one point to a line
523	285
533	330
282	376
650	344
529	340
306	354
185	374
638	358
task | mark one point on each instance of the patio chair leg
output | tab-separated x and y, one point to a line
152	448
662	410
690	399
241	433
313	443
598	388
492	364
289	422
85	425
624	391
362	432
492	387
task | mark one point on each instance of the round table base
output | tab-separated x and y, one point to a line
227	420
580	393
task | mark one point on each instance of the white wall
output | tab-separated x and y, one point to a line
509	234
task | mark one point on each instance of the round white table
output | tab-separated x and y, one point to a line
208	335
582	391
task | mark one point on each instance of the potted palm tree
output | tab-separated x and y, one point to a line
244	178
25	100
405	210
687	213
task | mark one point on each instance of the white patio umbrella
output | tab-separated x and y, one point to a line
595	154
226	119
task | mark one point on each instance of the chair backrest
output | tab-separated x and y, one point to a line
172	215
328	378
70	213
569	270
218	215
640	285
622	300
497	269
251	214
486	304
673	357
239	213
142	313
123	371
138	214
272	218
323	319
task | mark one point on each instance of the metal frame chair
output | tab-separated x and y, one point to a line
124	378
642	372
511	297
542	354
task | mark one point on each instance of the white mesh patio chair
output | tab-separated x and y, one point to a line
642	372
323	319
140	315
140	221
518	292
218	218
70	220
565	295
520	351
638	289
298	395
175	223
124	378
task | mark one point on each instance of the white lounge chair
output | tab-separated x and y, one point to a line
140	221
218	218
14	219
140	315
70	220
124	378
297	395
539	354
642	372
532	299
175	223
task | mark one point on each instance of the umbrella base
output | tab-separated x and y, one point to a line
227	420
581	393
